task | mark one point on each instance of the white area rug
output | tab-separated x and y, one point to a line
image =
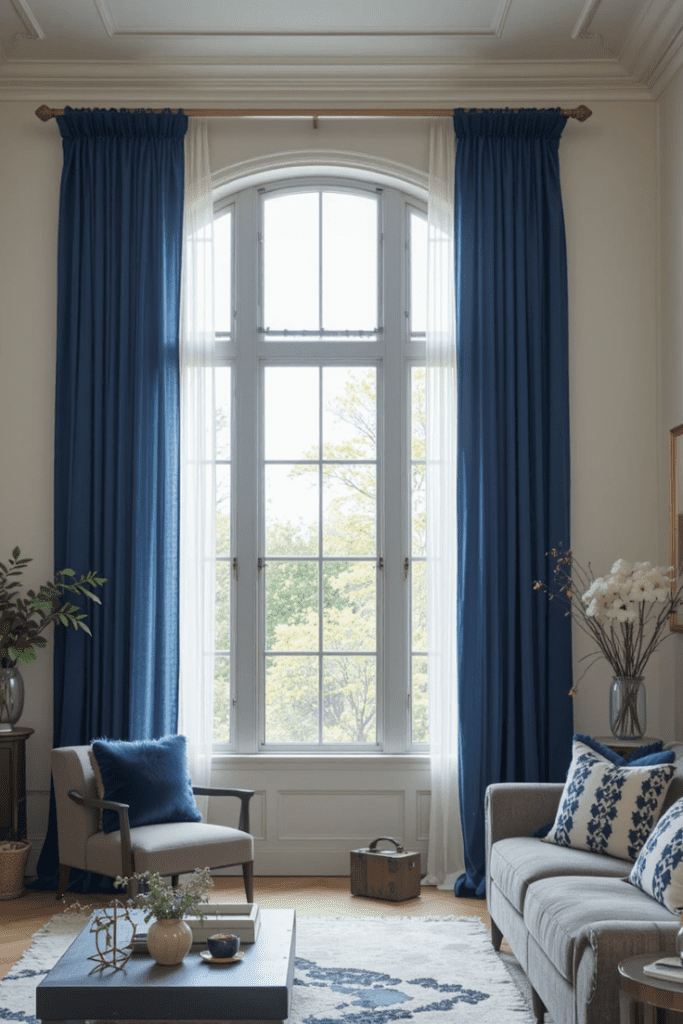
371	970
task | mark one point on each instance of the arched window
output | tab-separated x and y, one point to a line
321	588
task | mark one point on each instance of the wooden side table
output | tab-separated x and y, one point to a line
640	995
13	783
625	747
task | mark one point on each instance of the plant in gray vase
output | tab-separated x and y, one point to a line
24	618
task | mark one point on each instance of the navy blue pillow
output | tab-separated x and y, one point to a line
149	775
648	754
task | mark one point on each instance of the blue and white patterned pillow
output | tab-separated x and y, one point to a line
659	868
606	808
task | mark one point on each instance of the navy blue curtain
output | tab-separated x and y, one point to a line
117	429
514	660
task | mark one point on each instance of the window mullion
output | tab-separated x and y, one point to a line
396	637
246	469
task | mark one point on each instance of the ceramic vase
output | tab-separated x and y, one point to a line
627	711
169	940
11	697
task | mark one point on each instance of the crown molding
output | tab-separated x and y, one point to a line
313	82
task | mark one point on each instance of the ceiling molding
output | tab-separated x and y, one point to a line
314	83
653	45
583	22
107	17
113	29
499	22
32	28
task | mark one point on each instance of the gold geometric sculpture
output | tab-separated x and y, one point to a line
105	926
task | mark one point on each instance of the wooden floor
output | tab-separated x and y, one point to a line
311	897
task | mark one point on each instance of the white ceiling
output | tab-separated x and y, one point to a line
389	50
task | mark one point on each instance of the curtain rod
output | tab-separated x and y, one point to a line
581	113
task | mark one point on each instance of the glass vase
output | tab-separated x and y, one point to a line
11	698
627	713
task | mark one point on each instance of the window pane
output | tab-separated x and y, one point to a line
349	700
291	405
222	272
222	640
349	606
349	412
418	511
420	713
223	385
292	606
221	700
349	246
291	262
417	412
418	575
222	509
292	699
419	606
349	504
418	273
291	510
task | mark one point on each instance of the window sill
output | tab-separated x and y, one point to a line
283	761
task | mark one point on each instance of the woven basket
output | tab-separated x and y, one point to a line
13	857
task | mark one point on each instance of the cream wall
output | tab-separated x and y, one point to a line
610	189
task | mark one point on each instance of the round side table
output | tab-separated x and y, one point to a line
641	992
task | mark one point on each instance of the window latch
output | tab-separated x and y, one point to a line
235	569
406	568
380	563
261	564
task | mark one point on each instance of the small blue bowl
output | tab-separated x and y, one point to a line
223	946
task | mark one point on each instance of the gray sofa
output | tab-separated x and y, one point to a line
567	915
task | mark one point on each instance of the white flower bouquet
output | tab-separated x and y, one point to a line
624	612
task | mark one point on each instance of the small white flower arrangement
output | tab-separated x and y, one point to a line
624	612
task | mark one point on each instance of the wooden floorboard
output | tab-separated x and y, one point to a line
310	896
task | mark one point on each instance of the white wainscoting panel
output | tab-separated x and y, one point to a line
309	812
352	815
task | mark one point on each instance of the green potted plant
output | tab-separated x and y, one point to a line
169	937
25	617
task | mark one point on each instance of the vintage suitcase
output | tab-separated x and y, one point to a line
385	874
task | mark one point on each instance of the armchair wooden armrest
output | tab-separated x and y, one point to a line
243	795
124	825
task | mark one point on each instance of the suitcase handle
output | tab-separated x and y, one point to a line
385	839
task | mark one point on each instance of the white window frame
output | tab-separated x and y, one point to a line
393	353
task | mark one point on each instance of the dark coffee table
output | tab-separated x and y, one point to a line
259	987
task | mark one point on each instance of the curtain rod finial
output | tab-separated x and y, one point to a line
582	113
44	113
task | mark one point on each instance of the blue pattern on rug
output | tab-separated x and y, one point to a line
8	1014
372	990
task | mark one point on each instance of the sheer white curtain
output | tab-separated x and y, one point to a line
445	851
197	466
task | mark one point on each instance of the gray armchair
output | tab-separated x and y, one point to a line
171	849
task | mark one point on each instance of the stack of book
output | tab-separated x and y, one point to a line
669	967
241	919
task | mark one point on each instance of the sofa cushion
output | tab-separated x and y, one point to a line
561	912
171	849
517	862
607	809
659	868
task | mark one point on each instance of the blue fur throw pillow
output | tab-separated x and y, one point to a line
150	776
